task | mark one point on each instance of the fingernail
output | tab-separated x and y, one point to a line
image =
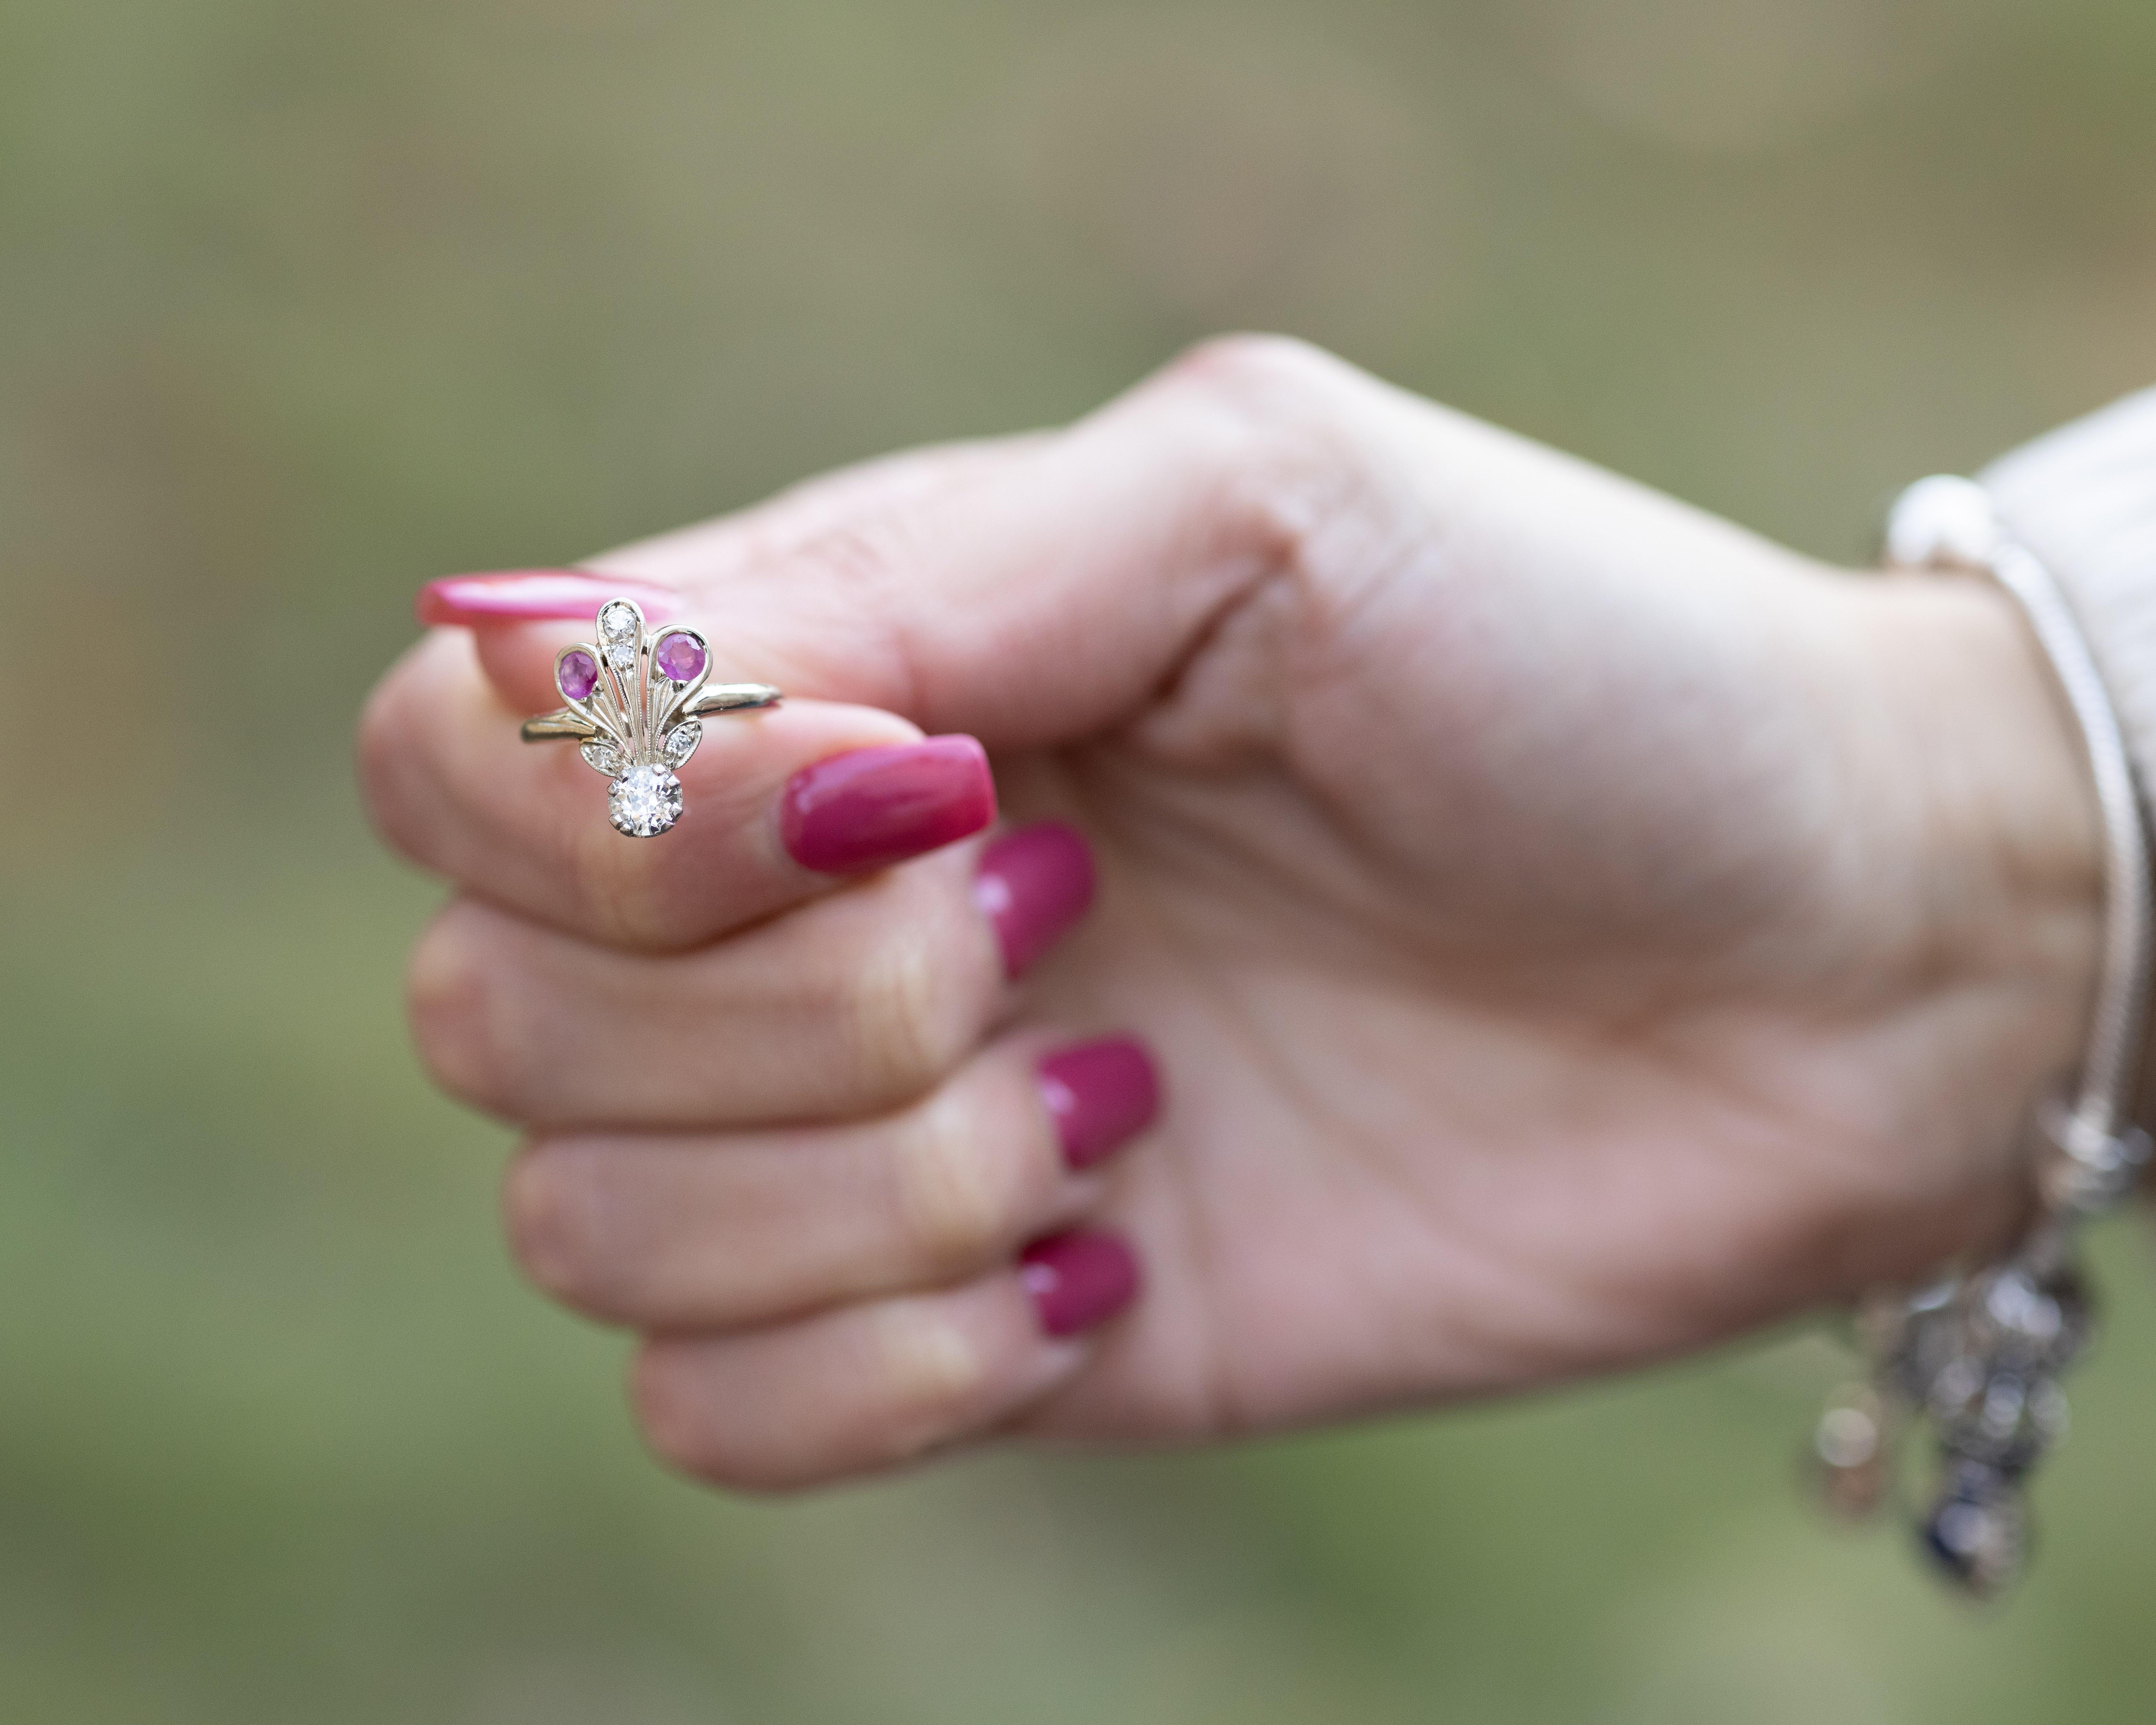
1100	1094
872	807
1033	886
523	595
1078	1280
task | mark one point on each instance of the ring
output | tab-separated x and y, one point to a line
636	704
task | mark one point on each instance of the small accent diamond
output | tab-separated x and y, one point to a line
645	802
682	739
617	629
603	755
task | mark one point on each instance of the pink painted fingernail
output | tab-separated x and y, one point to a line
1079	1279
1034	886
1100	1094
524	595
873	806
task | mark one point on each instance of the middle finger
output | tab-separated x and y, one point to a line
852	1004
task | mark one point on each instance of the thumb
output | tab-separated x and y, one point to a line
1029	591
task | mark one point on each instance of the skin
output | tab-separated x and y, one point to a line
1572	931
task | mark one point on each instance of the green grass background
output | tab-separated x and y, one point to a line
300	305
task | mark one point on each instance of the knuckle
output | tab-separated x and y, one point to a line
382	753
398	748
864	556
379	725
866	564
1283	427
549	1205
617	885
451	1009
913	1379
688	1429
957	1197
931	1372
672	1415
904	1023
1264	376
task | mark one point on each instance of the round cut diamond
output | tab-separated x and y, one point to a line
682	657
617	629
645	801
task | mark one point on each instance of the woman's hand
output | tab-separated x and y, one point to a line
1567	930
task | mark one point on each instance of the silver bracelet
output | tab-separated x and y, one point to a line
1978	1352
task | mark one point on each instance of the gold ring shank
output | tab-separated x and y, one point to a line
562	726
568	725
730	698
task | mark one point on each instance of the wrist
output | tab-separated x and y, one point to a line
1979	770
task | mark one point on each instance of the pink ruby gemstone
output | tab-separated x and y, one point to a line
680	658
578	675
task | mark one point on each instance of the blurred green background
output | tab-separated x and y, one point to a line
302	304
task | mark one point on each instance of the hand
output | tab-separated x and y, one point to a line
1568	930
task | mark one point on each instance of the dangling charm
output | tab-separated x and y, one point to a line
636	702
1979	1357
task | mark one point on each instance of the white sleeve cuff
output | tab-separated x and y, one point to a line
2083	499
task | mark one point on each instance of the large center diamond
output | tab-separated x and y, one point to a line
645	802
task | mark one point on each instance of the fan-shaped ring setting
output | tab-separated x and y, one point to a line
635	703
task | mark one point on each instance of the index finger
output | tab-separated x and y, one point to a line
778	805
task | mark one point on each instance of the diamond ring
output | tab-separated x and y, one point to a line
636	704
